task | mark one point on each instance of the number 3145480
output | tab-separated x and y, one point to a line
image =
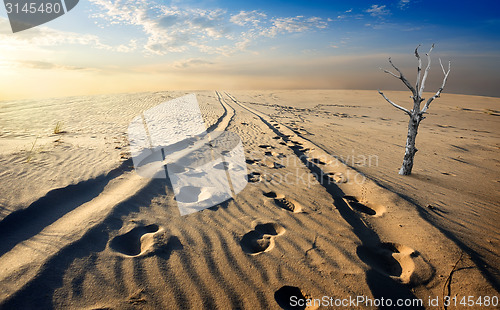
471	301
33	8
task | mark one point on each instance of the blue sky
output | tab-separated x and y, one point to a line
104	46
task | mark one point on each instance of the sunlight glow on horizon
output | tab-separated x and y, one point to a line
105	46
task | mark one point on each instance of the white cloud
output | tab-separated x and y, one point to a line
192	62
167	29
294	25
132	46
44	65
41	36
377	10
172	29
382	25
246	18
345	14
403	4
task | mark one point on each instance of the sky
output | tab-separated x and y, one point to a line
106	46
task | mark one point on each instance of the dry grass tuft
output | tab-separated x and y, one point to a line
58	128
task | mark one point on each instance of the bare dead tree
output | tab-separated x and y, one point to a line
416	115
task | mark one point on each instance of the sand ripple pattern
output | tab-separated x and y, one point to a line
274	240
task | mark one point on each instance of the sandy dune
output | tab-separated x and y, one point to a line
81	230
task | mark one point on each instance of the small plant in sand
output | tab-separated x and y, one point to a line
416	114
58	128
31	153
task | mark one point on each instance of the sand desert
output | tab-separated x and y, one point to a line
324	214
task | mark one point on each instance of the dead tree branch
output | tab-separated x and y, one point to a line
395	105
438	93
426	72
419	68
401	77
389	72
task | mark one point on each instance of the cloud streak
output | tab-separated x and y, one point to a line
44	37
294	25
248	18
43	65
403	4
378	10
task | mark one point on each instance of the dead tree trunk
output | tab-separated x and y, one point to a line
410	149
416	115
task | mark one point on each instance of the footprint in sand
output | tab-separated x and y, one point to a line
135	242
261	239
144	240
274	195
271	153
283	202
340	178
266	163
271	164
317	161
190	194
266	146
363	206
252	161
296	145
335	177
254	177
398	262
284	296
